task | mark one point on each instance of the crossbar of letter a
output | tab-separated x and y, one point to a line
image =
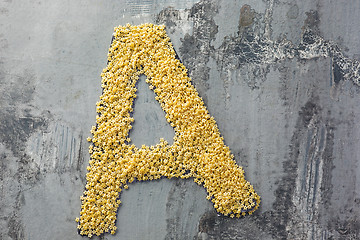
198	150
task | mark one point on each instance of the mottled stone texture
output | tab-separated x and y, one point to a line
281	78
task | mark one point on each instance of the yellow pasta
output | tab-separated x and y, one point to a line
198	150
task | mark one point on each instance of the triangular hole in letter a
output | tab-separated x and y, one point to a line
150	124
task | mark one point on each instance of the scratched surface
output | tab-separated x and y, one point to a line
281	78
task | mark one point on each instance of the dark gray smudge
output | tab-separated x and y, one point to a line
18	123
15	226
249	46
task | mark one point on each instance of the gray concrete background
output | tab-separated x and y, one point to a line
281	78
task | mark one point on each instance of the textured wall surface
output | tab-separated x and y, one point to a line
281	78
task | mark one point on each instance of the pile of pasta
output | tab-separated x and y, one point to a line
198	150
